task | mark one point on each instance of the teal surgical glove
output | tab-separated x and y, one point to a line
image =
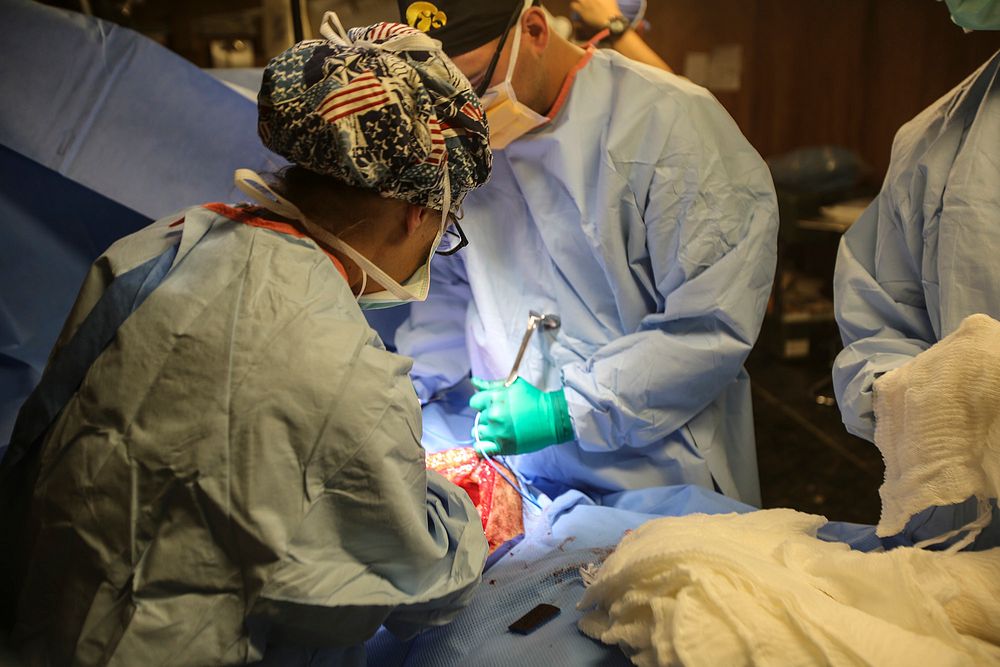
519	419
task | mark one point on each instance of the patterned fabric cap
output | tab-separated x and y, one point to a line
380	108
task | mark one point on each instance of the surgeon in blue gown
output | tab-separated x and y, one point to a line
626	201
222	462
926	253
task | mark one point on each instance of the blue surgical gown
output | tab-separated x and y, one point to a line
926	253
923	256
644	219
239	473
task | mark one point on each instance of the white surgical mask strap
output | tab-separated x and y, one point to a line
367	266
515	46
333	30
253	186
364	284
446	198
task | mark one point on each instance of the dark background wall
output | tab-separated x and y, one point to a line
845	72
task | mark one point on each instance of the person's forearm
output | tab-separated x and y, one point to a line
631	45
596	15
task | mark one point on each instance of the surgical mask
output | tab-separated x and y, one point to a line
509	119
393	293
634	10
975	14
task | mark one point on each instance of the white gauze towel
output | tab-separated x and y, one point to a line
761	589
937	424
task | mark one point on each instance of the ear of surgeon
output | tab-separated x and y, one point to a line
526	77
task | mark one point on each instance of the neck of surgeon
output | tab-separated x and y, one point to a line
395	235
554	61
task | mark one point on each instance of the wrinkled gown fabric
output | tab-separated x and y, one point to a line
239	468
644	219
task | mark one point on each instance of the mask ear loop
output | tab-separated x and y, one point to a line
445	196
484	85
640	16
516	44
364	283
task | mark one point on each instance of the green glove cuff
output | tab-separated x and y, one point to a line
560	416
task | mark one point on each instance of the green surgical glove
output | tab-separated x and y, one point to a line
519	419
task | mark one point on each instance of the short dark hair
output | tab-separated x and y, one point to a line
327	198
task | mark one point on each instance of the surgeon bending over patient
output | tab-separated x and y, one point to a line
222	462
626	201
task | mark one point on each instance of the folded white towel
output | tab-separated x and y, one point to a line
760	589
937	424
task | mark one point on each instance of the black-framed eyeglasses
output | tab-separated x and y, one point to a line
454	238
484	85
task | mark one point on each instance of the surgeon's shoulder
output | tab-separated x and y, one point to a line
650	85
132	250
120	257
329	322
657	114
938	131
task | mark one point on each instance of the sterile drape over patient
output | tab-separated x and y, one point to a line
95	111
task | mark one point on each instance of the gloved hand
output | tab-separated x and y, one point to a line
521	418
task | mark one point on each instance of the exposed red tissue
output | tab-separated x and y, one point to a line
499	503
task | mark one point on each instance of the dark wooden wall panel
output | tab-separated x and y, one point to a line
806	79
915	55
682	26
846	72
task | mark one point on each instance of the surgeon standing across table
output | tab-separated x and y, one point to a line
626	201
222	462
926	254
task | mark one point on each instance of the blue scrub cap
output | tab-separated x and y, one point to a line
380	108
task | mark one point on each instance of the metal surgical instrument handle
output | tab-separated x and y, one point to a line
535	319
